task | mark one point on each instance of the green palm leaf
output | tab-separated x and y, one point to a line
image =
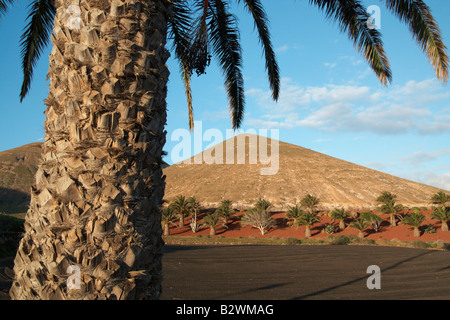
256	9
225	44
179	31
352	18
4	4
35	38
416	14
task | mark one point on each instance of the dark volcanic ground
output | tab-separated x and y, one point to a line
295	272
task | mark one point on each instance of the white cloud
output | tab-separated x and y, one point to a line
422	156
282	49
413	107
430	178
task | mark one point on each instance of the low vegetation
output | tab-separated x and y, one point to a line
306	214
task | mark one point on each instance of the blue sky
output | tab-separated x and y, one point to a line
330	100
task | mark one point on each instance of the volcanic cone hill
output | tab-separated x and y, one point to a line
301	171
337	183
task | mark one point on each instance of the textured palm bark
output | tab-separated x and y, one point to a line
95	204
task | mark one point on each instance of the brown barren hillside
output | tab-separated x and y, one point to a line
336	182
17	169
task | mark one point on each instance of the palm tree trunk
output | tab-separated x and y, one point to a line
444	226
393	222
166	229
308	232
416	232
341	224
181	220
94	205
360	234
212	231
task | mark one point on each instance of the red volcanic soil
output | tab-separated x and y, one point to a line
283	230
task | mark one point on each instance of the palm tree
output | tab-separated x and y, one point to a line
388	206
100	183
340	215
182	207
226	203
374	219
361	225
414	219
294	213
263	204
194	206
307	219
442	214
440	198
386	197
310	202
168	217
225	212
211	221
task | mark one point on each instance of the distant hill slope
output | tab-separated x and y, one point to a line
301	171
336	182
17	169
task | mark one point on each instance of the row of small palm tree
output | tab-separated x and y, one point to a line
259	216
182	207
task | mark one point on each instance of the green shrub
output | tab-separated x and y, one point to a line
293	241
420	244
340	240
330	228
429	229
363	241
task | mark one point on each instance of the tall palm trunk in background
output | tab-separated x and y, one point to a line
98	189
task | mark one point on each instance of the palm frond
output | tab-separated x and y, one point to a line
4	4
352	18
35	38
225	44
179	32
199	52
256	9
416	14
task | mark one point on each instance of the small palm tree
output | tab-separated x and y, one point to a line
293	214
259	218
388	206
361	225
263	204
374	219
310	202
168	217
340	215
226	203
307	219
225	212
440	198
414	220
182	207
194	207
442	214
386	197
211	221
